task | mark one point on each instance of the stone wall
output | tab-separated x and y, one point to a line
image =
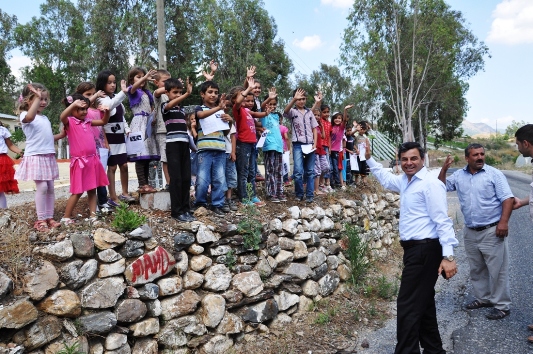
114	293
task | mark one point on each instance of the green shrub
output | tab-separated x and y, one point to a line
249	227
357	253
231	260
127	220
387	290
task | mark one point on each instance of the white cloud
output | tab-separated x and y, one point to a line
309	42
512	22
17	62
344	4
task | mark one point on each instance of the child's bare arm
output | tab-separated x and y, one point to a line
105	118
139	83
345	115
32	111
97	94
318	100
314	138
211	111
13	147
233	157
250	73
71	108
176	101
271	96
159	92
240	97
300	93
61	134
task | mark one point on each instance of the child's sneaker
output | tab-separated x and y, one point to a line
330	190
225	208
232	206
273	200
126	198
258	202
343	188
282	198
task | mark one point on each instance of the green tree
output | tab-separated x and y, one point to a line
513	127
7	80
410	52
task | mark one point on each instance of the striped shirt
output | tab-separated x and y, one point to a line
480	194
175	123
213	141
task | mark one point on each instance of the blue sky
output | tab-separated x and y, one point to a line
312	31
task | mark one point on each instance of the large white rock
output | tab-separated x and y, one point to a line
170	286
219	344
284	257
217	278
326	224
286	300
179	305
159	200
230	324
105	239
110	269
192	280
205	235
102	293
275	225
38	282
300	250
290	226
58	252
315	258
199	263
310	288
145	327
249	283
115	340
213	308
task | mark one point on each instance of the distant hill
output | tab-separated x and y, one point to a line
472	129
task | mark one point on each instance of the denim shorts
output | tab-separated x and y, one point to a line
231	173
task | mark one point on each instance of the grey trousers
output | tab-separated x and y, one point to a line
488	256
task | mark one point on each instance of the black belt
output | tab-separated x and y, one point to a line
481	228
412	243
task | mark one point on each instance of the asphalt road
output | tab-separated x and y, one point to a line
469	332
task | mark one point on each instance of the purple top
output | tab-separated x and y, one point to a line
135	98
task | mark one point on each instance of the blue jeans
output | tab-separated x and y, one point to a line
334	162
303	164
246	169
211	171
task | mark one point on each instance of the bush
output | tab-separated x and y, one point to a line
127	220
249	227
357	254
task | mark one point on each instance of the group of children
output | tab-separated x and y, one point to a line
220	138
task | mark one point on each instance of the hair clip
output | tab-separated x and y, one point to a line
21	98
69	99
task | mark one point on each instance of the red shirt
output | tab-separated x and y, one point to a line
245	125
327	131
319	142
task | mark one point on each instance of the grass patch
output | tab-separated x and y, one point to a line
357	254
250	227
127	220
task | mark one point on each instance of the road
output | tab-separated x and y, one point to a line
469	332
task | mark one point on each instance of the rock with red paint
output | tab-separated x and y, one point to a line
150	266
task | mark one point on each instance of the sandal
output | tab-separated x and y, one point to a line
147	189
94	220
52	223
41	226
476	304
496	314
67	221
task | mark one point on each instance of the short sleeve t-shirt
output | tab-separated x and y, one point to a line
231	132
39	135
98	131
283	130
245	125
273	141
337	133
176	125
303	124
213	141
4	134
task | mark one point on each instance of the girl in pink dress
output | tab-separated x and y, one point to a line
86	171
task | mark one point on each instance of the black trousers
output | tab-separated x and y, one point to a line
417	316
179	169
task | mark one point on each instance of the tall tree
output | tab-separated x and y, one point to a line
410	51
7	80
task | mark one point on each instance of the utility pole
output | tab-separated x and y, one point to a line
161	38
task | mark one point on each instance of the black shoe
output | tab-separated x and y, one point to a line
225	208
181	218
218	211
309	200
190	216
496	314
476	304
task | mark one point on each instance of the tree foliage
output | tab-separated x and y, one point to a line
416	56
7	80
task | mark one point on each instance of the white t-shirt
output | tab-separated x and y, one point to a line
227	138
4	134
39	135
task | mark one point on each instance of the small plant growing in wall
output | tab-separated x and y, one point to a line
231	260
357	252
249	227
127	220
70	349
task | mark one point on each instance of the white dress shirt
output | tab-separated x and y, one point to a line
423	206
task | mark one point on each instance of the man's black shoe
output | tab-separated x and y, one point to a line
190	216
181	218
218	211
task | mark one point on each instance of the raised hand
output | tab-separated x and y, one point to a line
123	86
214	66
208	77
37	92
300	93
189	86
272	94
222	102
318	96
100	94
150	75
251	81
103	108
448	162
250	72
79	104
349	107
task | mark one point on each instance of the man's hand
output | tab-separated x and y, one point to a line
447	163
450	268
368	154
502	229
518	203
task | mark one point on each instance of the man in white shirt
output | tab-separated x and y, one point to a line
428	239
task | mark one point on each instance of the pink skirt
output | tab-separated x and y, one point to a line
38	168
86	173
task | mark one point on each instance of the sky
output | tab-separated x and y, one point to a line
312	31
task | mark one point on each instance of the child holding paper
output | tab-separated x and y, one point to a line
304	137
243	101
361	143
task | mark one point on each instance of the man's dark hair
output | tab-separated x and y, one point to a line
525	133
208	84
171	83
408	146
473	146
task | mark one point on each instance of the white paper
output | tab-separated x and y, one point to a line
134	143
213	123
354	165
104	155
362	151
307	149
286	162
262	139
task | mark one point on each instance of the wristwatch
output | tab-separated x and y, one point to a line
449	258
